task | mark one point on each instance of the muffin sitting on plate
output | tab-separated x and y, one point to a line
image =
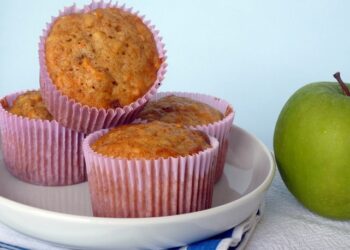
209	114
36	149
151	169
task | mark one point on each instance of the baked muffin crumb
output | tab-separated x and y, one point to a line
105	58
180	110
151	141
30	105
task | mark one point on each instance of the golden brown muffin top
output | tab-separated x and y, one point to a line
106	58
30	105
180	110
150	141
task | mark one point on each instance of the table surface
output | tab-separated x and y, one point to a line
285	225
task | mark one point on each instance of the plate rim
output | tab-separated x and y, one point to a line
151	220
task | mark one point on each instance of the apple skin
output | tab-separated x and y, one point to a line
312	148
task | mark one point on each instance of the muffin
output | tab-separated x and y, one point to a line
151	169
211	115
36	149
105	58
100	64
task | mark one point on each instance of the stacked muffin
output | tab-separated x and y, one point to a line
99	66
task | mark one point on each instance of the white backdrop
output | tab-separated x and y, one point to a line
255	54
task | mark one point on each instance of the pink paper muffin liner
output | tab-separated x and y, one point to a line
80	117
148	188
41	152
220	129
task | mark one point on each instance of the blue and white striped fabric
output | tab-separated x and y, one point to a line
6	246
233	239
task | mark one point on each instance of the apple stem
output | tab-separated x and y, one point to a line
342	84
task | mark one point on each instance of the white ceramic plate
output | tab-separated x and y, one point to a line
62	215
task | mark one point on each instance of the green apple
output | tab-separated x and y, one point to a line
312	147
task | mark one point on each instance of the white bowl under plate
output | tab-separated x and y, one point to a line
62	215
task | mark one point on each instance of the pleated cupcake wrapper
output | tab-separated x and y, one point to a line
41	152
220	129
80	117
149	188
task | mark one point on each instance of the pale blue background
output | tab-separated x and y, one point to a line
255	54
